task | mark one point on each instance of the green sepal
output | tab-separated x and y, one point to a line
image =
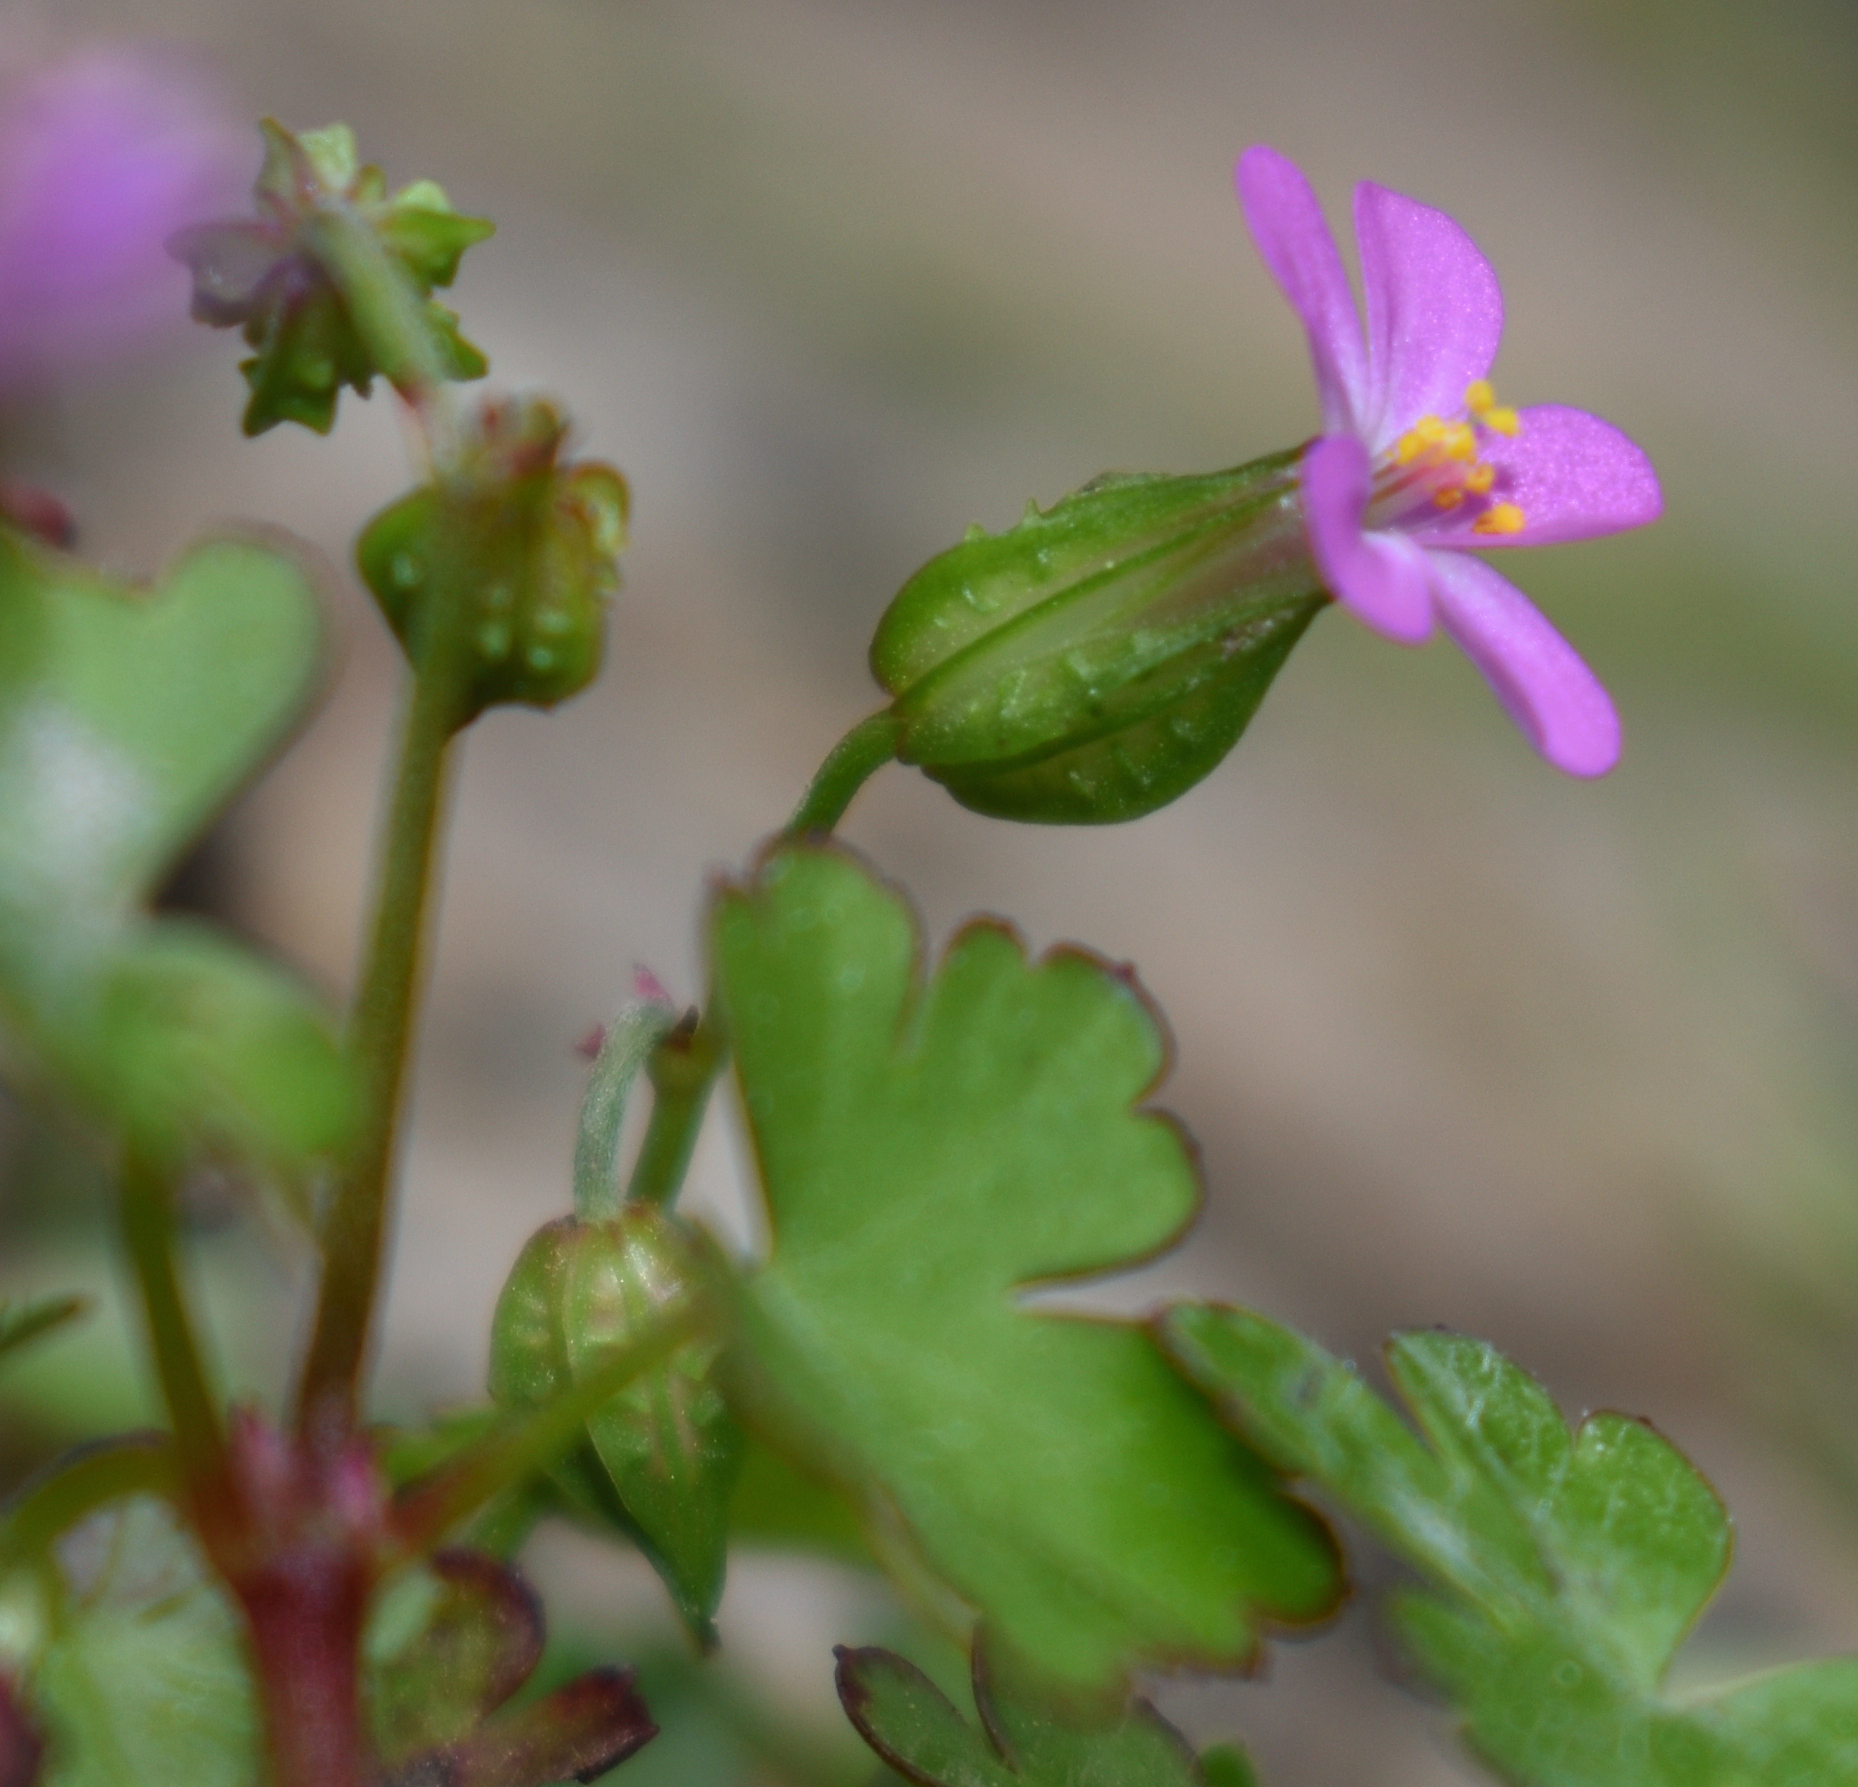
659	1461
1561	1569
1093	662
1019	1741
127	718
511	562
929	1148
282	278
448	1642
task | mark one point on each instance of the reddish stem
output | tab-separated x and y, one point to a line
305	1611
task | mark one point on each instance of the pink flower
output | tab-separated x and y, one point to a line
103	156
1418	463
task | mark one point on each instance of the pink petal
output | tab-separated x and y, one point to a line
102	157
1380	576
1573	476
1435	312
1287	224
1548	691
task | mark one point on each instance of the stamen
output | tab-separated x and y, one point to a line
1500	518
1422	437
1480	477
1448	498
1480	398
1434	438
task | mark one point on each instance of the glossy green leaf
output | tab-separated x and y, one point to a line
127	719
659	1460
909	1722
143	1675
929	1152
780	1506
1562	1568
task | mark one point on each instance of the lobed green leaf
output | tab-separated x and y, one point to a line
1562	1569
127	719
930	1150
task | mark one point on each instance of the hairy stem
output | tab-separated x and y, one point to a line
380	1037
629	1046
858	756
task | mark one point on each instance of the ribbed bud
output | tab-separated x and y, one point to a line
659	1461
1095	661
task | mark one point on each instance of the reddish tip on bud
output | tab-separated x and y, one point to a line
647	986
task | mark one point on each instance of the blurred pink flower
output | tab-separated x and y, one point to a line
1418	462
103	155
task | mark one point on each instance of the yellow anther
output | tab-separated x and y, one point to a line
1448	498
1499	518
1480	477
1480	398
1421	438
1457	441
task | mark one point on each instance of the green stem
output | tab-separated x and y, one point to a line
395	322
380	1035
385	306
426	1511
635	1033
683	1068
139	1464
858	756
193	1408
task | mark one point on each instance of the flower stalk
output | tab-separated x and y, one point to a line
380	1039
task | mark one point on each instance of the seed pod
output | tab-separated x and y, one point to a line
1095	661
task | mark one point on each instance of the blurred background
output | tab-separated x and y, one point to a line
1569	1066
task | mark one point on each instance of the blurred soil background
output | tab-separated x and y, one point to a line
1568	1066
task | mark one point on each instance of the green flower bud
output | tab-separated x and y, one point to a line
1095	661
331	280
659	1461
514	558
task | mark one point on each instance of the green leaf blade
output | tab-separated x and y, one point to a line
127	719
929	1150
1564	1568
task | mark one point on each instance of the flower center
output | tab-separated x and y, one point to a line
1436	465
